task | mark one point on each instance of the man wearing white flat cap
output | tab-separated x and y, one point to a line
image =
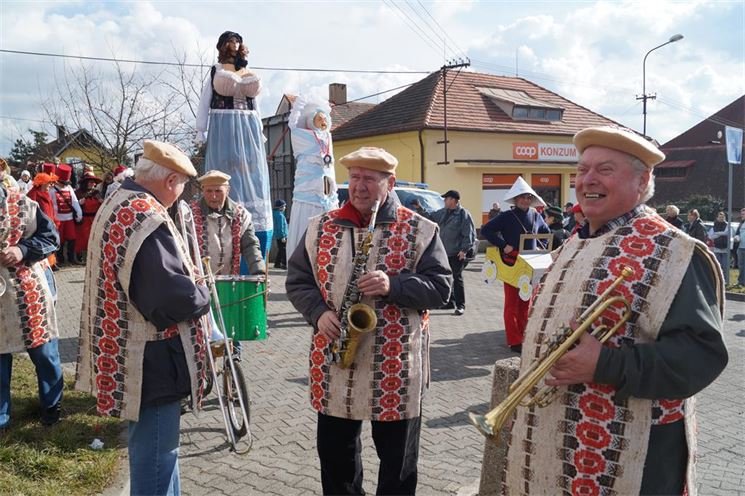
622	421
504	231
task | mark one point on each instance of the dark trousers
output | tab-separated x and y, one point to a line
667	460
280	259
458	296
339	449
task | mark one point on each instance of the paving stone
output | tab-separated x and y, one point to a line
283	459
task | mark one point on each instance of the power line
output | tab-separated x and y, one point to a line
381	92
177	64
442	29
412	25
716	120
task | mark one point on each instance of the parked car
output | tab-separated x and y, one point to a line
407	192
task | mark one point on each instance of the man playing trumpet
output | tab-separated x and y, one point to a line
622	421
405	272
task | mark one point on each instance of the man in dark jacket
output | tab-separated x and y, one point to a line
458	234
671	216
554	219
696	228
404	273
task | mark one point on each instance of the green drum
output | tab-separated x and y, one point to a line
243	304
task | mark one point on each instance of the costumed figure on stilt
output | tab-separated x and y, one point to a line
229	120
315	180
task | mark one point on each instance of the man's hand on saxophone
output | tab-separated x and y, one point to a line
328	325
375	283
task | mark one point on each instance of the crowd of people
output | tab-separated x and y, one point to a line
622	424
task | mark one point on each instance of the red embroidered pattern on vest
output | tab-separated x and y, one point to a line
200	225
111	333
235	231
24	284
595	420
396	251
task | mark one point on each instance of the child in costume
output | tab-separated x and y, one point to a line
315	180
228	118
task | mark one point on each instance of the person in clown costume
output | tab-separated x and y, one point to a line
504	231
228	119
315	181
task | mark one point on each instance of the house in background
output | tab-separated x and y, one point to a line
498	128
79	149
696	162
280	158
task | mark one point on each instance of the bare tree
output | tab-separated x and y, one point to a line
119	109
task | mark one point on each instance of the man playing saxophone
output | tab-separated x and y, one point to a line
623	419
405	272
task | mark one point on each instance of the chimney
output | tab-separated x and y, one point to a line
337	93
61	132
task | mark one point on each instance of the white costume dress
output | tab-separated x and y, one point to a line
315	181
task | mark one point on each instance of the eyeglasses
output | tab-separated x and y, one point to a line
527	196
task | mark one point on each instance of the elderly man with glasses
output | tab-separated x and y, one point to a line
504	231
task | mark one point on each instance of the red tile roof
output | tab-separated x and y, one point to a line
421	106
341	114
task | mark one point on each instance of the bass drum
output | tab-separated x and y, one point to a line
243	306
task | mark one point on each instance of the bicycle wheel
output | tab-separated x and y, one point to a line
231	392
208	381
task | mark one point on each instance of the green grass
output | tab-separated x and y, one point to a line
37	460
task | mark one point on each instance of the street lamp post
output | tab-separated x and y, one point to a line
644	97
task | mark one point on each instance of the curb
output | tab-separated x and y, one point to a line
735	296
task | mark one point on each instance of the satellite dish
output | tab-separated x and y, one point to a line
719	134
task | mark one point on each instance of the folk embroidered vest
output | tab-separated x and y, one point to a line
27	315
391	368
220	237
588	441
113	332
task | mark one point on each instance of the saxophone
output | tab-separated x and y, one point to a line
356	318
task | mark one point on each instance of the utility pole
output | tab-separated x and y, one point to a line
454	64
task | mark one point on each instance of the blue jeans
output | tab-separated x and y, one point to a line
48	374
153	450
722	259
741	265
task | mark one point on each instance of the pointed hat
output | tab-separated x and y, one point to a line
520	187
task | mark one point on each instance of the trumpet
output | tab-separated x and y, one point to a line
520	391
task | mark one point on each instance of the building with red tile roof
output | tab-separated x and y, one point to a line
495	129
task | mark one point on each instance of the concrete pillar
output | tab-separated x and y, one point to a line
495	453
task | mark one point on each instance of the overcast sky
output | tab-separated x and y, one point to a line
588	52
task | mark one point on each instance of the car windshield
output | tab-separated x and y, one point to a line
429	200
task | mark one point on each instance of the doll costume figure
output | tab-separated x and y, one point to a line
228	118
315	181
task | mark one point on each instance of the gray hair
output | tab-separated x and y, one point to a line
672	208
640	167
147	170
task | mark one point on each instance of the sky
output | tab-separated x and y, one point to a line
590	52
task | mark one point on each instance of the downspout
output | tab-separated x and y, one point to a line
421	156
